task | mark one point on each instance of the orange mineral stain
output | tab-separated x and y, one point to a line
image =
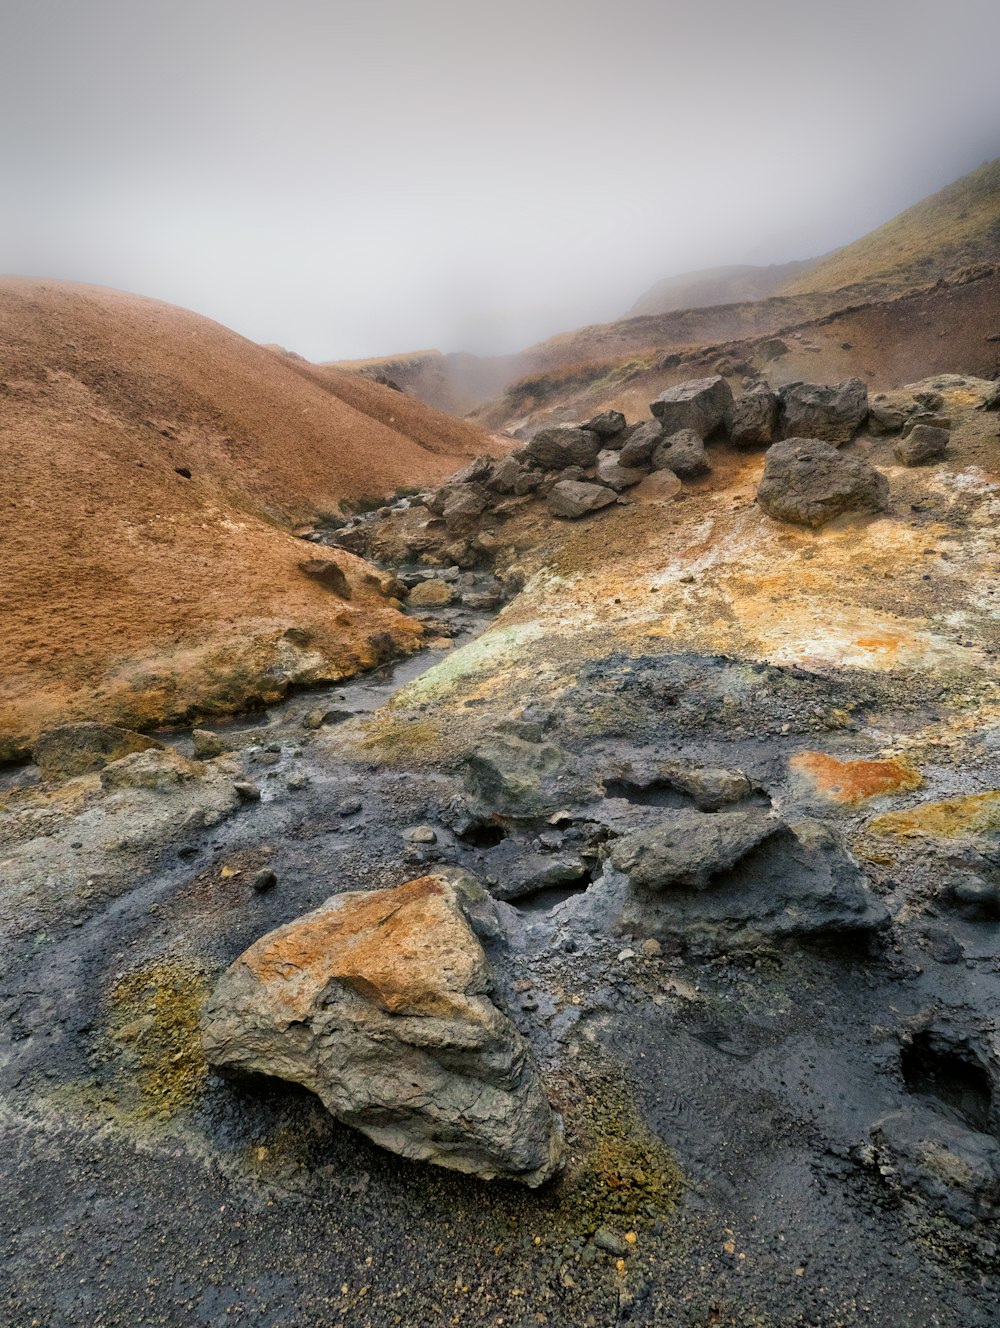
850	782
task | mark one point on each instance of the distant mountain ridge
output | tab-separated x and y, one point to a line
737	284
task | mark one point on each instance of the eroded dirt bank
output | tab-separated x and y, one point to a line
779	1113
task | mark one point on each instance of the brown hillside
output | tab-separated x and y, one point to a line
948	328
132	592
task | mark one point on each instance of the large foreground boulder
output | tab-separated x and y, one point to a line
808	482
722	878
379	1002
813	410
699	404
80	749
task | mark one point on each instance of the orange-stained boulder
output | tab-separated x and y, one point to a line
379	1002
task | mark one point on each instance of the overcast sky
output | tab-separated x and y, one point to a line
356	177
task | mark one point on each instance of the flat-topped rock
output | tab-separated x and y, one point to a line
575	498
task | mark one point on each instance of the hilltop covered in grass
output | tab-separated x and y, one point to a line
957	226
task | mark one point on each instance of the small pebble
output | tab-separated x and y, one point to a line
263	880
420	834
608	1242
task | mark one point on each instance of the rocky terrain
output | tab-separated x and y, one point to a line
629	955
155	469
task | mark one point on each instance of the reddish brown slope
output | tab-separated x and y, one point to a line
132	592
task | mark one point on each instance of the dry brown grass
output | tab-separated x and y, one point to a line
957	226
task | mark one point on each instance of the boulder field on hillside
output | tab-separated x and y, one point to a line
581	469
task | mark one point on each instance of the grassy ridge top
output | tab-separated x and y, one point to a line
958	225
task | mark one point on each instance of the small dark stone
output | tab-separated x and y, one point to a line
263	880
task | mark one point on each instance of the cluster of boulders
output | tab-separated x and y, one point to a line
579	469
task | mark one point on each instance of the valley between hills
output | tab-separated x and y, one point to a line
512	842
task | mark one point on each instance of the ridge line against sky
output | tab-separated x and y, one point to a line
353	179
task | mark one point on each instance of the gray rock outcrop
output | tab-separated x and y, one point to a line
555	449
612	473
682	452
608	424
641	444
716	879
833	414
922	444
575	498
516	772
752	419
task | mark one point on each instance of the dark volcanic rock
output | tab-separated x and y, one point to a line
641	444
608	424
699	404
555	449
808	483
611	472
575	498
463	508
683	453
885	415
539	871
923	443
689	847
505	476
813	410
752	419
714	879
